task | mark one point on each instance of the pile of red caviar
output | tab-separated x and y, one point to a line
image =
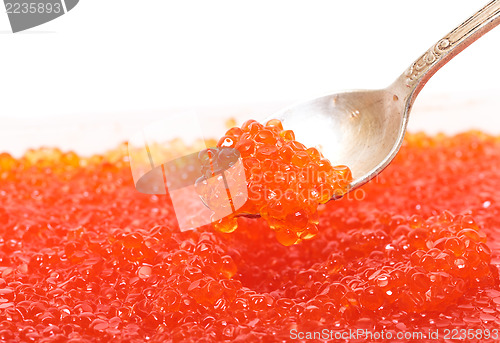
85	257
285	180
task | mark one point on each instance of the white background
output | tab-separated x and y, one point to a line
119	62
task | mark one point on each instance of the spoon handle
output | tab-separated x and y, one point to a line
416	76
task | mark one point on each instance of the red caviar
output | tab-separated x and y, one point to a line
84	257
285	180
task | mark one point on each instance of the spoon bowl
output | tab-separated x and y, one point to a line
365	129
360	129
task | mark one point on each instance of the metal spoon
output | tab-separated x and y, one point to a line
365	129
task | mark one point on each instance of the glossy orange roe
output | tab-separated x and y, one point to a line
285	180
84	257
